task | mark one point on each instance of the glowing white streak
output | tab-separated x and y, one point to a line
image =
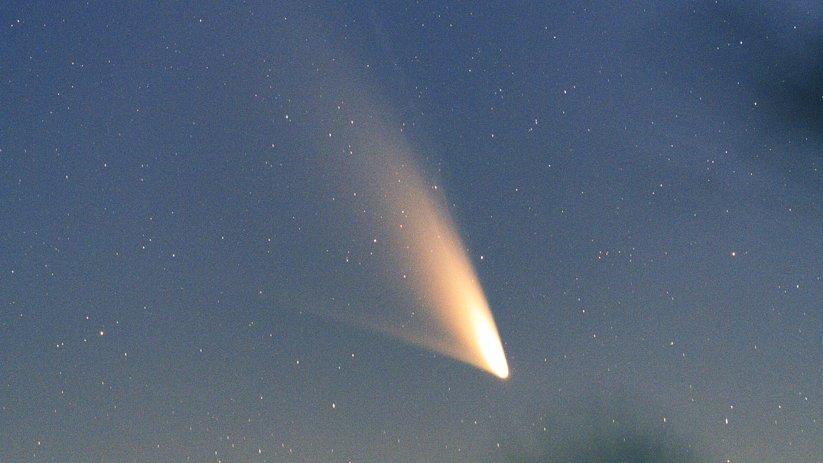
444	277
372	160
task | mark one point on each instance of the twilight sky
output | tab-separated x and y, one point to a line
198	237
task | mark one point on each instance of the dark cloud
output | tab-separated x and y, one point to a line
615	432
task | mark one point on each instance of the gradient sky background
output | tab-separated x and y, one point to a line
639	187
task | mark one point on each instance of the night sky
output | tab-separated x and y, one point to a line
194	243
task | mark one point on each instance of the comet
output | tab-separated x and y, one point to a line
450	289
443	277
369	165
451	313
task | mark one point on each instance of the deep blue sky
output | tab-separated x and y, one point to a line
643	183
